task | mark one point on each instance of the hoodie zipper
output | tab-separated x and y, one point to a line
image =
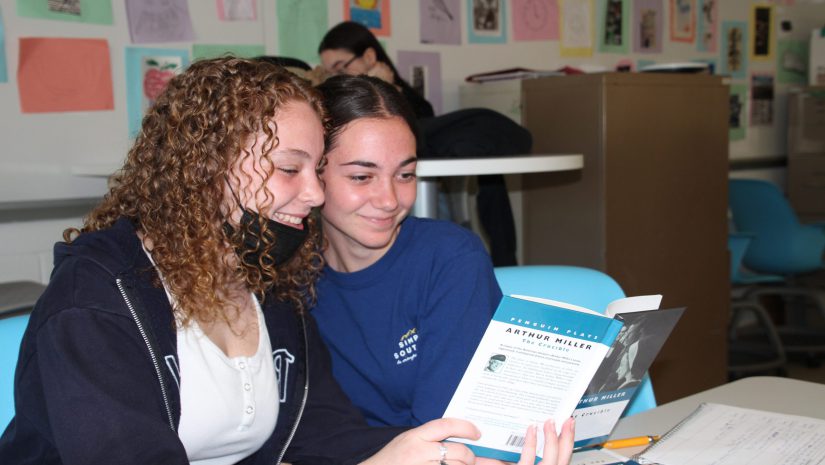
152	354
304	399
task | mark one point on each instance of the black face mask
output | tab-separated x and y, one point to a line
287	240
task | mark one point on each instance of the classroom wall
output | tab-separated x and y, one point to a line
47	156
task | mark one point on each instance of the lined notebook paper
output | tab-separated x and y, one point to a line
716	434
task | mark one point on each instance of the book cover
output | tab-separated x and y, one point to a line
620	374
534	362
538	358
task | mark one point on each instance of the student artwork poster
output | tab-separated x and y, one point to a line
440	22
762	96
148	70
577	20
614	18
154	22
734	60
533	363
535	19
422	70
792	61
237	10
81	11
682	20
375	14
301	25
738	117
707	28
3	72
648	23
761	32
486	22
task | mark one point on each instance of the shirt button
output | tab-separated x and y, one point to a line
250	409
241	365
247	387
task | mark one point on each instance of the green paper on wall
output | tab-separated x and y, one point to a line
200	51
301	26
792	61
81	11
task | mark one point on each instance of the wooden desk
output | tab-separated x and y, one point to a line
426	204
781	395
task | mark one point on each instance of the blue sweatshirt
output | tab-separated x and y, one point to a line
402	331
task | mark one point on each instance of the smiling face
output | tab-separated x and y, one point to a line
293	188
369	183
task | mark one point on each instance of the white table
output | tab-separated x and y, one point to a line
426	204
781	395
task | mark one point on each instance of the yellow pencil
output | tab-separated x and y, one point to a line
630	442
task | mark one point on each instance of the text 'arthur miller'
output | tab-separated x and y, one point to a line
547	337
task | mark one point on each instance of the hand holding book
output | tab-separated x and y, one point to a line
557	449
424	445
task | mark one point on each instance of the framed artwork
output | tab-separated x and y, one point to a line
486	21
577	20
734	59
148	70
440	22
683	20
737	117
614	30
648	23
535	19
762	99
375	14
761	32
707	29
422	70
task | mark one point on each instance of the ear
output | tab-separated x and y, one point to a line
369	57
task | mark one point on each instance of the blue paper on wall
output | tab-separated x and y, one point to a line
4	77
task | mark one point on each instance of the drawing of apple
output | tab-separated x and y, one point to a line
156	77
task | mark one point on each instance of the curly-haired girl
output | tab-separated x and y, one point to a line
174	328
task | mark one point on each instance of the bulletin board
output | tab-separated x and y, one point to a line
56	154
61	155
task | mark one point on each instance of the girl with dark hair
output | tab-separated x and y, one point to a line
402	301
174	328
350	48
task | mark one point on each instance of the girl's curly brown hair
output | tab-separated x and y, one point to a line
172	185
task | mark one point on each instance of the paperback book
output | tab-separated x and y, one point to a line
541	359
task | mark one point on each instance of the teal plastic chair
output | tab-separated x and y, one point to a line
579	286
16	301
754	345
781	245
11	333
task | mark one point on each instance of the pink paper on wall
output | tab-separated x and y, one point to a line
535	19
64	75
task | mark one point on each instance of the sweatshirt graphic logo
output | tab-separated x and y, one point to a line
174	370
407	347
282	360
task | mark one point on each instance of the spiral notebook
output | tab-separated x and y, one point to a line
726	435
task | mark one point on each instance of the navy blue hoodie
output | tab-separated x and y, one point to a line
97	378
